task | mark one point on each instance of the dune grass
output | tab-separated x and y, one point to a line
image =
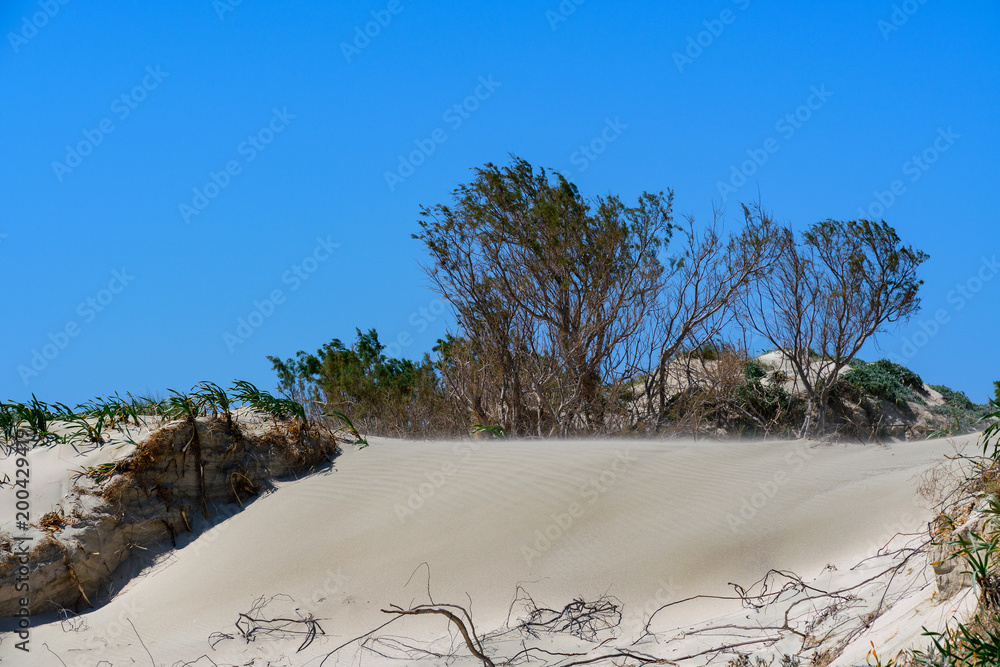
36	421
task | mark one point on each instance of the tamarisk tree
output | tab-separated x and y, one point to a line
702	285
825	296
551	293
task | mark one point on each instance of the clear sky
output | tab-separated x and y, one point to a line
168	169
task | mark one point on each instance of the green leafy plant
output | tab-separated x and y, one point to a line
940	433
147	405
956	398
495	432
346	427
182	406
991	436
90	432
110	409
212	396
978	551
388	395
289	408
962	645
10	422
37	416
753	371
60	411
262	401
216	399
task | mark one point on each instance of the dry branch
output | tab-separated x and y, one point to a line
471	640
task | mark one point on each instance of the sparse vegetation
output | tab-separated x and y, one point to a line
552	291
261	401
960	410
563	301
976	641
204	454
52	522
744	661
579	315
110	409
715	386
98	473
91	422
347	426
91	432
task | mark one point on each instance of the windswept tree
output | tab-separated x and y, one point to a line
551	292
826	296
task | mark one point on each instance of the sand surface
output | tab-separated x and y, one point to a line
647	522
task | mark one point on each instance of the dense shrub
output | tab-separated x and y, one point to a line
905	375
753	371
768	401
382	395
882	379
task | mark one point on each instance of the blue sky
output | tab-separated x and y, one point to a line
172	169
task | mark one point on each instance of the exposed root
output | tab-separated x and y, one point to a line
72	573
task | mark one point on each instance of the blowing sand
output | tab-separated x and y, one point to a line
645	522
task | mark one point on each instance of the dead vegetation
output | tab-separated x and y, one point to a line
252	625
821	622
52	522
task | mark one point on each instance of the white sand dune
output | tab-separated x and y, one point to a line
646	522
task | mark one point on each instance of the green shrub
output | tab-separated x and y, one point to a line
905	375
959	408
957	399
885	380
753	371
768	402
382	395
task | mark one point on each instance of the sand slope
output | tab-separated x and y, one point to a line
646	522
